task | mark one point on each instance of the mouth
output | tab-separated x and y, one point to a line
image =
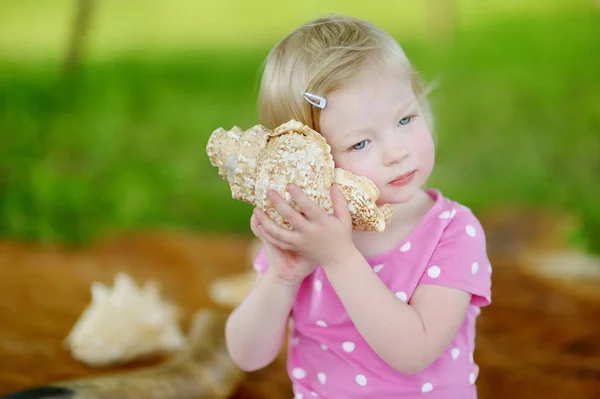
403	180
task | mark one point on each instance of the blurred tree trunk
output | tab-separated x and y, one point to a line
79	31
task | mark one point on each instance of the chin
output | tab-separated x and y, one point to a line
400	195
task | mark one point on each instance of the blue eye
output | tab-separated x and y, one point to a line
405	120
359	146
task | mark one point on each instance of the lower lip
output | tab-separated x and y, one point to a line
404	180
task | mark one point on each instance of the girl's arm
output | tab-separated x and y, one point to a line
407	337
256	329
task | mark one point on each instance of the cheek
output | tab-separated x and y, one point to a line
360	166
425	150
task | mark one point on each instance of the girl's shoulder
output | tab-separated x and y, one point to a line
448	217
447	223
448	248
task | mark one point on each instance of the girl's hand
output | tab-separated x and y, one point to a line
323	238
288	266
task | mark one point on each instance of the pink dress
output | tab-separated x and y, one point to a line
328	358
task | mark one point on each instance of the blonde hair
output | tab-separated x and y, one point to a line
320	57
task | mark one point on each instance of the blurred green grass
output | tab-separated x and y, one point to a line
122	145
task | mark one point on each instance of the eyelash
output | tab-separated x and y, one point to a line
409	117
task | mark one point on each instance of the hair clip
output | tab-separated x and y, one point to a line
312	98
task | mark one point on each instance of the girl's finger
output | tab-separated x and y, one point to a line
340	205
273	241
306	204
276	231
254	226
292	216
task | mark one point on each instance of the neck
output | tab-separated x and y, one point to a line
413	207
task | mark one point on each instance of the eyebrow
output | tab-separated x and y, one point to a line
403	108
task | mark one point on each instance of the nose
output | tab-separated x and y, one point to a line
394	152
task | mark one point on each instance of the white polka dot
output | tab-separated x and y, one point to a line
471	357
322	378
474	267
445	215
314	394
489	267
402	296
453	213
298	396
298	373
324	347
434	271
295	340
348	346
405	247
361	380
427	387
477	311
318	285
378	268
470	230
256	267
321	323
472	378
455	352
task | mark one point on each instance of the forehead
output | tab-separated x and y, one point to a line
366	102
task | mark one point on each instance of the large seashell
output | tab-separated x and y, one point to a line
124	324
258	160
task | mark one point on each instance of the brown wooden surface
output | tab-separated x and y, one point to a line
535	341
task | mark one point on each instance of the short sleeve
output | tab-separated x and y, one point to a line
260	262
460	259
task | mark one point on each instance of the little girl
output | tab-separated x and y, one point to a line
373	315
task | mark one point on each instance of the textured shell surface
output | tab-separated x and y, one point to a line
294	155
235	153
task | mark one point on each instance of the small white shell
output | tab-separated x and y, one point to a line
123	324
